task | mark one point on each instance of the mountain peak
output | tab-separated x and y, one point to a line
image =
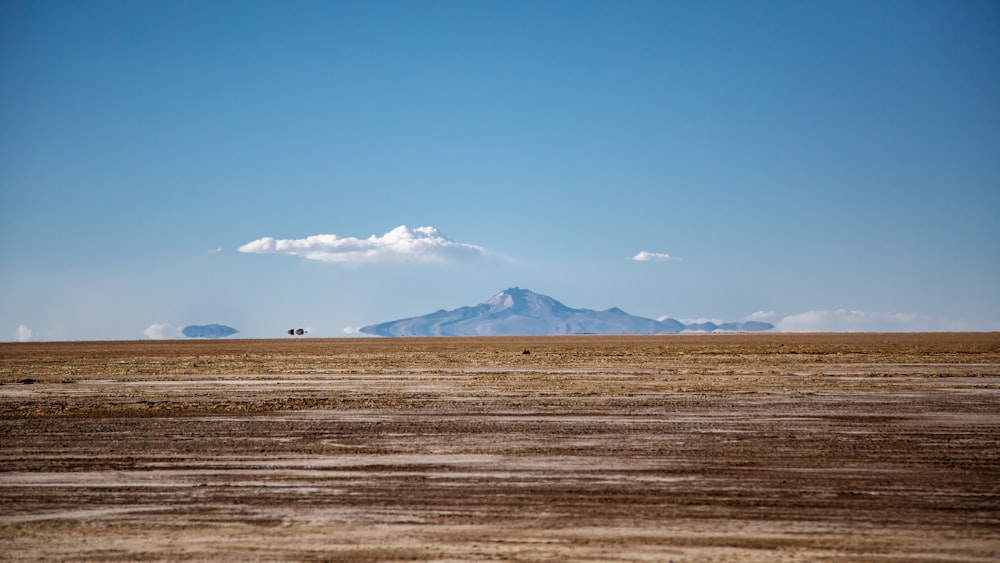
522	302
505	299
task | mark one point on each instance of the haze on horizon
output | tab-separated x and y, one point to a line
818	165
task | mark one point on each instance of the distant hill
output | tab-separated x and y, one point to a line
517	311
208	331
702	327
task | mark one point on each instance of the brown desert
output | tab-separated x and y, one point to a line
739	447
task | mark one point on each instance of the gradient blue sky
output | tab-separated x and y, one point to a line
823	165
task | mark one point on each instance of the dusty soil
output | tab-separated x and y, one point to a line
668	448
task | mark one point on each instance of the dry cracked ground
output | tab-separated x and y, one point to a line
776	447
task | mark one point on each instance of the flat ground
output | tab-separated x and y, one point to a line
656	448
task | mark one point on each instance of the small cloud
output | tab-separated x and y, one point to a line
402	244
645	256
350	330
216	250
23	333
160	331
762	316
842	320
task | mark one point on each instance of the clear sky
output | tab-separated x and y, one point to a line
825	165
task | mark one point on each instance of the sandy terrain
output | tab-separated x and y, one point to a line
666	448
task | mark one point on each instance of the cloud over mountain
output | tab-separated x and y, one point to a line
402	244
646	256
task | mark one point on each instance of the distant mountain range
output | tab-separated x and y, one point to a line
208	331
521	312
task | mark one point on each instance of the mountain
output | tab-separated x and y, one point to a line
517	311
208	331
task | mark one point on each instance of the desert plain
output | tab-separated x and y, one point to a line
740	447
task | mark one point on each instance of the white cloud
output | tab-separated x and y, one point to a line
350	330
645	256
423	244
23	333
842	320
764	316
160	331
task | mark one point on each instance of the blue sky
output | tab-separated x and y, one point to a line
823	165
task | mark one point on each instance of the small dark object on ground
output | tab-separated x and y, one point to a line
526	351
27	381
